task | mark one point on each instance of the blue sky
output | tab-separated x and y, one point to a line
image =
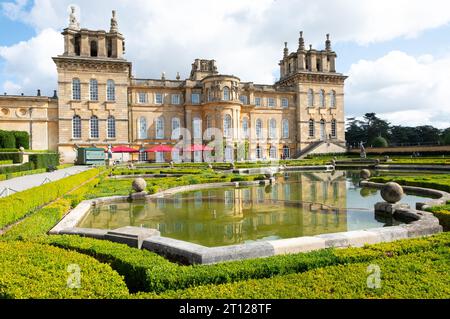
397	53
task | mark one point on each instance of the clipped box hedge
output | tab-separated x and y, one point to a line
35	271
44	160
417	275
145	271
11	155
19	205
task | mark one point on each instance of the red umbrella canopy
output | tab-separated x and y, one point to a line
198	148
160	149
123	149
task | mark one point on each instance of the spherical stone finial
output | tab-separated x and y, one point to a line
365	174
139	185
392	192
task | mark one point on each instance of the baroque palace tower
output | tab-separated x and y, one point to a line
100	103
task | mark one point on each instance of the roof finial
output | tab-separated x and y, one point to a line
328	43
178	76
301	42
114	25
73	22
286	50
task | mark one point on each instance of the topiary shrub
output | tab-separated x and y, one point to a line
22	139
379	142
7	140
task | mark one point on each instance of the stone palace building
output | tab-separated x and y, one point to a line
99	103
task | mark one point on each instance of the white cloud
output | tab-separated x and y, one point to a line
28	64
404	89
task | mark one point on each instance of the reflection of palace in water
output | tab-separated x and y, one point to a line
296	205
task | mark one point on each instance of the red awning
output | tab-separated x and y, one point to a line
198	148
160	149
124	149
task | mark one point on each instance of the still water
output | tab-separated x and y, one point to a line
298	204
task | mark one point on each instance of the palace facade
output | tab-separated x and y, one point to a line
100	103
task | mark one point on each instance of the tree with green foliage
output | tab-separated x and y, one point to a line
380	142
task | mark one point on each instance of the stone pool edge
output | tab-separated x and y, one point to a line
424	224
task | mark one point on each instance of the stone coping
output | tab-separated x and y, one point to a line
421	224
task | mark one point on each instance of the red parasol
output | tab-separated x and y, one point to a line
160	149
124	149
198	148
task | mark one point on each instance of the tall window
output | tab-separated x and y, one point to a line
285	128
208	126
286	152
245	127
142	128
195	98
333	98
142	98
175	128
197	128
310	98
284	103
110	91
273	152
272	128
76	89
176	99
227	126
159	128
226	94
258	127
322	98
76	127
257	101
258	152
158	98
94	127
311	128
94	48
271	102
333	128
93	90
111	127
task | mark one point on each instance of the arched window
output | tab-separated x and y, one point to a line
94	48
258	128
258	152
159	125
76	127
245	127
285	128
94	127
272	128
312	130
226	94
273	152
176	128
333	128
322	98
286	152
333	98
93	90
142	128
111	127
322	130
197	128
76	89
227	126
110	91
310	98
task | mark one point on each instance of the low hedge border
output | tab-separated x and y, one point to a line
417	275
146	271
36	271
19	205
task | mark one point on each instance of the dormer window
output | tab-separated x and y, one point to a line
94	49
226	94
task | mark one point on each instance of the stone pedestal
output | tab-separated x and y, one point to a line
137	196
109	163
388	208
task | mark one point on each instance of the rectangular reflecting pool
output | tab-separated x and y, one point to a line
298	204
